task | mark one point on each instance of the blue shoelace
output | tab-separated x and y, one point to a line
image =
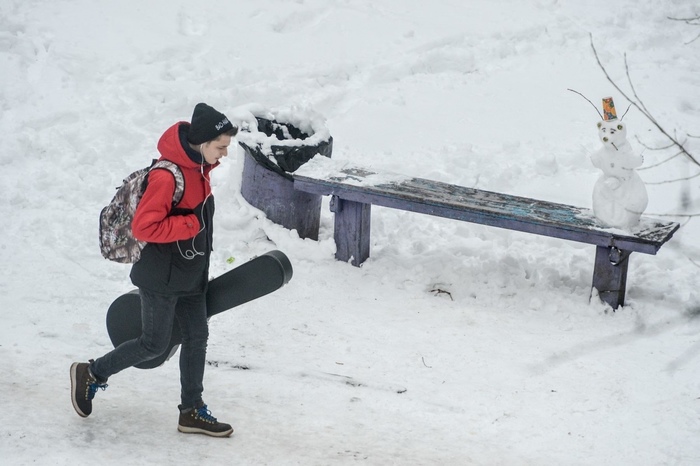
204	414
93	387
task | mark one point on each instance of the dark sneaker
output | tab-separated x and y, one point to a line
83	386
200	421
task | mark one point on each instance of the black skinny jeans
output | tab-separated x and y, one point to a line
158	313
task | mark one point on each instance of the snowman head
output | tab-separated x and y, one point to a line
612	133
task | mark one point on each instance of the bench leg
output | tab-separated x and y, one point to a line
610	275
352	227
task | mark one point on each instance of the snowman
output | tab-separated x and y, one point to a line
619	195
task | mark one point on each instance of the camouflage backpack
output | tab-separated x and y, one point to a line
116	240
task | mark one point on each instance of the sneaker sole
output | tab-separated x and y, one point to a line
194	430
73	383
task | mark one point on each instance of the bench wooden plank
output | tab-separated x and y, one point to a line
487	208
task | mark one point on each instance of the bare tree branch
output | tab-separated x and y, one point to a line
654	148
691	21
693	262
688	216
673	181
637	103
662	162
634	93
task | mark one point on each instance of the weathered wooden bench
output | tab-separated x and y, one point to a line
354	190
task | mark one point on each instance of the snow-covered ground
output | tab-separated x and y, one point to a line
454	343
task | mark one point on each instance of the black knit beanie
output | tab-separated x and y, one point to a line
207	124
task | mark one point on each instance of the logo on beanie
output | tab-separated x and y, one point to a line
221	124
207	124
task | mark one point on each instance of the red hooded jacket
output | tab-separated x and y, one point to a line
176	258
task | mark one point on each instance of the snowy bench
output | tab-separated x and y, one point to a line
354	190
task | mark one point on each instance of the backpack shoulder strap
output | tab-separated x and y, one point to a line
177	174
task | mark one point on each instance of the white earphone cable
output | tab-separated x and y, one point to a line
190	254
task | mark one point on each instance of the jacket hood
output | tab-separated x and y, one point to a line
171	147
